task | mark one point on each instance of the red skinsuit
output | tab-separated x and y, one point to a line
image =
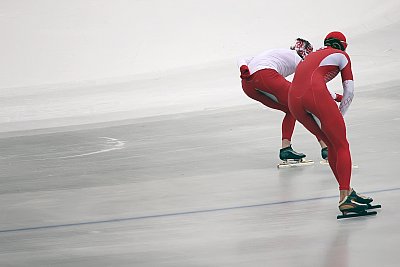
311	103
268	71
272	82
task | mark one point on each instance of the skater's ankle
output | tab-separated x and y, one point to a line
343	194
322	144
285	143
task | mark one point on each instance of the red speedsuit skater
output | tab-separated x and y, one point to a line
312	105
271	82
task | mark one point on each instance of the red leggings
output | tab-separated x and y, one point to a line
305	103
271	82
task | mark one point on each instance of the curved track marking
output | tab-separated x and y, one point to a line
116	144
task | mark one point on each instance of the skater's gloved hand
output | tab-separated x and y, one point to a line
244	72
338	98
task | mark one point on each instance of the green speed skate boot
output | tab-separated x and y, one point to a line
363	200
360	198
350	208
288	153
291	158
324	153
348	204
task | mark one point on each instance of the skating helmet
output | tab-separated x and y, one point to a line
336	40
302	47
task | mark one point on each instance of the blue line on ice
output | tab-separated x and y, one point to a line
182	213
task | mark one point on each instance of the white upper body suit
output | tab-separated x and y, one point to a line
284	61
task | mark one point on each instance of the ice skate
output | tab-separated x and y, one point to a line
291	158
363	200
288	153
324	153
350	208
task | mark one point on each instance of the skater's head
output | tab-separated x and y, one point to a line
336	40
302	47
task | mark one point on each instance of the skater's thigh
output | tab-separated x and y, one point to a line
335	129
325	111
300	111
259	95
274	83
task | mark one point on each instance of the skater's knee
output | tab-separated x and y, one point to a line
341	147
342	144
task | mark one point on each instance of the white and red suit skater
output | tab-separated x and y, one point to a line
263	79
312	104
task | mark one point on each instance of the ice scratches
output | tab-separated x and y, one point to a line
76	149
113	143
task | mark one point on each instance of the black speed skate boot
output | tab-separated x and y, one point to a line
324	153
360	198
350	208
363	200
291	158
288	153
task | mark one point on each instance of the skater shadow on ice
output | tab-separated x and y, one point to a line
339	251
287	173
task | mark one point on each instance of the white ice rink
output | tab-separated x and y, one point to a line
126	139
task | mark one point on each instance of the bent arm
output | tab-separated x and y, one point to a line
348	94
348	85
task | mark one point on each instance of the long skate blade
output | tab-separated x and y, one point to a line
351	215
371	207
325	162
299	163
